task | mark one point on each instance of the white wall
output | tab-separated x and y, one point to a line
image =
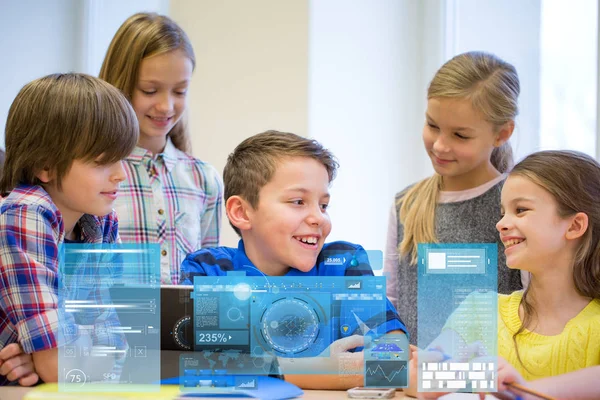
569	91
369	65
44	37
511	30
101	20
251	73
38	38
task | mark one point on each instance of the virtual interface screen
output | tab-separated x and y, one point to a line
109	316
457	293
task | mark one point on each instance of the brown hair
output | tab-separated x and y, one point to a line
2	156
64	117
141	36
573	179
492	86
254	161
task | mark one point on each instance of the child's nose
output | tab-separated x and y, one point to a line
165	103
440	145
502	224
316	217
118	173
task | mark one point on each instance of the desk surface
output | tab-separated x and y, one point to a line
17	393
170	367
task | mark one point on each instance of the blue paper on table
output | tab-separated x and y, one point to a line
267	388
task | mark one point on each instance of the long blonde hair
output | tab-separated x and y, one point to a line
493	87
141	36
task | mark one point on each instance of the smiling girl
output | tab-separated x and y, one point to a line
550	227
471	107
170	197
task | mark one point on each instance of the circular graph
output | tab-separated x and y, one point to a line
76	377
179	333
234	314
290	325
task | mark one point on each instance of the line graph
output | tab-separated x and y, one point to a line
386	373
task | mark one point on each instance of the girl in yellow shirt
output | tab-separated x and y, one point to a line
550	227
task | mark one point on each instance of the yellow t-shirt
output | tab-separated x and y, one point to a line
576	347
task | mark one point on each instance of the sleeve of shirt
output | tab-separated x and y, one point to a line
210	220
391	258
191	267
29	289
391	318
105	332
89	280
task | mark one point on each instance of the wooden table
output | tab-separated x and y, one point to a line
170	367
17	393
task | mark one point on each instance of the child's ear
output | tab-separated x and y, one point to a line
578	226
504	133
237	212
44	175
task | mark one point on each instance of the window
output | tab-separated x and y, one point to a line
553	45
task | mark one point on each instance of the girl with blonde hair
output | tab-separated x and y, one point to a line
170	197
471	110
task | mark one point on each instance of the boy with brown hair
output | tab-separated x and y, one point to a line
277	194
66	135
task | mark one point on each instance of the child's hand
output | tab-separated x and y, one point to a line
347	363
348	343
506	374
16	365
334	369
435	356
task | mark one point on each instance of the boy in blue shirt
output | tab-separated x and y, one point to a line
276	193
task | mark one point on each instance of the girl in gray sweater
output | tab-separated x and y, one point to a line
471	108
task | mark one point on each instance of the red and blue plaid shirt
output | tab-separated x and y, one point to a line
31	232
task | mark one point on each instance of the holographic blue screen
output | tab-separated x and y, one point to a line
386	361
457	291
291	317
109	315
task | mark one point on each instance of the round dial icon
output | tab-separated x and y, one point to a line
179	333
75	377
290	325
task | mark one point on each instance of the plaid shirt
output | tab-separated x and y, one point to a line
174	200
32	231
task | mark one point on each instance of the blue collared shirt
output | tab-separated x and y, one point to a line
219	261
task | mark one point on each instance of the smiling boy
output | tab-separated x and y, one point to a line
277	194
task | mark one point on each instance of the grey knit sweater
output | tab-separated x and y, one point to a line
469	221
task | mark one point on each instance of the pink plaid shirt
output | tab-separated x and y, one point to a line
172	199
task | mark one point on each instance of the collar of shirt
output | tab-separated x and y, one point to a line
169	155
35	195
241	262
91	229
